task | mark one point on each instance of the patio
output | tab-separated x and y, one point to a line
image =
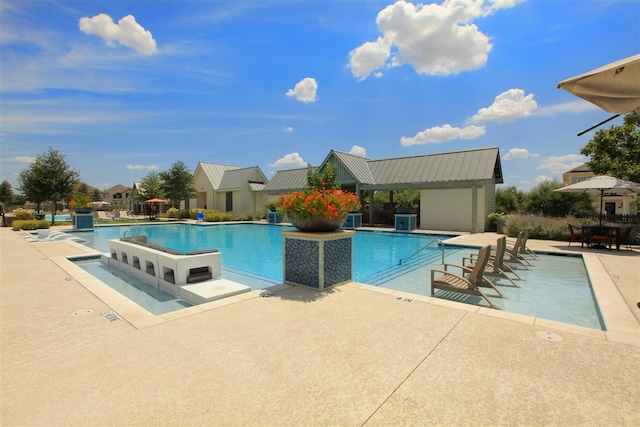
356	355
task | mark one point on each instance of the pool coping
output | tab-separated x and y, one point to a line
620	323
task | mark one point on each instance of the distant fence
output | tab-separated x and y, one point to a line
618	219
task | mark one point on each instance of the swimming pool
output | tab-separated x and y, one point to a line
59	217
555	288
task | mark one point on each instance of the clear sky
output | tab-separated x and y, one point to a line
122	88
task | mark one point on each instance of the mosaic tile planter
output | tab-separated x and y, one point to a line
405	222
354	220
82	221
318	260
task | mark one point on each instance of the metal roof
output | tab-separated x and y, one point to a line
401	172
287	180
471	165
235	179
214	171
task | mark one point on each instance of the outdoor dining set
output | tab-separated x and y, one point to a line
600	236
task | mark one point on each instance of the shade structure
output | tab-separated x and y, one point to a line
101	203
614	87
602	184
155	201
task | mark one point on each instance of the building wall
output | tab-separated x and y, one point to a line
451	209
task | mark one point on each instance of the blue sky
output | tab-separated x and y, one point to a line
122	88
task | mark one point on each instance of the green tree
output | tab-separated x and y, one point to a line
49	177
616	151
509	200
542	199
6	193
176	184
96	195
149	188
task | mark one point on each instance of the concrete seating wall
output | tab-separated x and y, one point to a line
163	267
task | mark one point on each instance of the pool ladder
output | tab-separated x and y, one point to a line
423	248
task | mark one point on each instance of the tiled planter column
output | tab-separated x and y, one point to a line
318	260
82	221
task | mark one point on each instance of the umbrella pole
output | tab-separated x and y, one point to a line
599	124
601	199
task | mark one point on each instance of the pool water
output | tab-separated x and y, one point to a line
59	217
554	287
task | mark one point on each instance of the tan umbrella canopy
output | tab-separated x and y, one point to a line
602	185
614	87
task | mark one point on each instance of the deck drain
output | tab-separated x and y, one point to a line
404	299
549	336
266	295
68	279
110	316
81	312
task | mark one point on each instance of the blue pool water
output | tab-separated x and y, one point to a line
555	287
59	217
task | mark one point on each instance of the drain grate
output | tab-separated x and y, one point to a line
549	336
110	316
404	299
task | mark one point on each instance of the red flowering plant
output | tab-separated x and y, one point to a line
321	196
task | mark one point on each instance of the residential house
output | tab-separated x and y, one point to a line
119	197
613	204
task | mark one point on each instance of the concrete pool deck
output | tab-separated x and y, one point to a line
356	355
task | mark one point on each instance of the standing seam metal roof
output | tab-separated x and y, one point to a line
236	178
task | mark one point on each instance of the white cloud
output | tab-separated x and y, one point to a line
21	159
442	134
567	107
126	32
305	90
561	164
519	153
507	107
288	160
436	39
142	167
358	151
288	129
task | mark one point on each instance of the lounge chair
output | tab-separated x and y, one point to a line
102	215
512	253
495	266
524	251
470	285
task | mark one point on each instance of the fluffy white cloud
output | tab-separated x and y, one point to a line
288	129
126	32
442	134
507	107
519	153
142	167
21	159
358	151
560	164
305	90
543	178
288	160
436	39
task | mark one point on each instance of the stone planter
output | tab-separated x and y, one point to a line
316	223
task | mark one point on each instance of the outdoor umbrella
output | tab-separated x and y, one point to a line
155	201
614	87
602	185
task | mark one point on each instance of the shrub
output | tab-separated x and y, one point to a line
216	216
30	224
492	220
22	214
173	213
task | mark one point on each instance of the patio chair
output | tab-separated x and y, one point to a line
575	234
495	266
102	215
470	285
600	236
625	237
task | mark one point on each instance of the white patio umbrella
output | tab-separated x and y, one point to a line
614	87
602	184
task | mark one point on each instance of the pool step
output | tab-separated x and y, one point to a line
211	290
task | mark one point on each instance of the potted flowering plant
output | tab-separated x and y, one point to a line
321	205
81	203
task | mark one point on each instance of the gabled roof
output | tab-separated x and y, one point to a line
287	180
117	189
355	164
413	171
235	179
580	169
214	171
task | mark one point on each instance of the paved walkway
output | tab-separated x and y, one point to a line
352	356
